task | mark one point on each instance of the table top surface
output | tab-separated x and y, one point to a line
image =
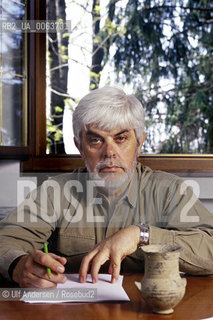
196	304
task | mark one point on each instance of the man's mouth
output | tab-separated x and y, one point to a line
109	169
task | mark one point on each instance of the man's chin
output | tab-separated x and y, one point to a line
111	180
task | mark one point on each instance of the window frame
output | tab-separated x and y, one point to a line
39	161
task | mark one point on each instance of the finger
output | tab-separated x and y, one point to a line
41	272
110	266
62	260
97	262
32	267
85	263
32	281
116	266
47	260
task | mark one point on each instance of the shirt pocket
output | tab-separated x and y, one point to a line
71	244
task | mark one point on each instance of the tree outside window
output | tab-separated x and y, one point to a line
160	51
13	76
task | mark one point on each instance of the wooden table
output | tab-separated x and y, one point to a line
196	304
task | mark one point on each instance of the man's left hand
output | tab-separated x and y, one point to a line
115	248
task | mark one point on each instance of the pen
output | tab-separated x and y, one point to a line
46	251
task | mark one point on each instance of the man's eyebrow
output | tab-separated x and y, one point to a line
121	132
92	133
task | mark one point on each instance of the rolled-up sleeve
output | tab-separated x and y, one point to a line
185	222
25	229
197	243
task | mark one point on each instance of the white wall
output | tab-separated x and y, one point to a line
9	180
9	174
205	190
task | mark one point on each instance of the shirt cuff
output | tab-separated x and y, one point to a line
6	260
161	236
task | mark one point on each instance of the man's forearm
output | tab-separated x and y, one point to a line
197	254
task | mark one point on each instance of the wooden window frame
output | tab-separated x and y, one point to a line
39	161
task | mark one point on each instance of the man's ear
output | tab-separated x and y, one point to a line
141	143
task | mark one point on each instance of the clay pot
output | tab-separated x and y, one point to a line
162	287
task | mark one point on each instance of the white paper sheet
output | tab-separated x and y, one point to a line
73	291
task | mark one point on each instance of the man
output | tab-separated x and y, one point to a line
105	212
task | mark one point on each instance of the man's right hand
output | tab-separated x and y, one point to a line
31	270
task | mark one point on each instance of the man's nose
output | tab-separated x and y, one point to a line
109	150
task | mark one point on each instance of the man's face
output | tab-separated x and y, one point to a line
109	155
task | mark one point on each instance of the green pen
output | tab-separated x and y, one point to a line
46	251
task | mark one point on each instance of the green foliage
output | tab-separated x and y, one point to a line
64	56
54	133
156	43
170	40
58	109
58	135
97	10
65	35
95	75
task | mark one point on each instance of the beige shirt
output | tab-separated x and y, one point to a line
72	214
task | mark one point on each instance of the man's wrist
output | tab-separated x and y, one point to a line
12	269
144	234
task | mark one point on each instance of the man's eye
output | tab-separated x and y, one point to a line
95	140
121	138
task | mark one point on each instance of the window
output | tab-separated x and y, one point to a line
13	80
57	159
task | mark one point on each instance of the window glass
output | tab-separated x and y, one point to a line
159	51
13	113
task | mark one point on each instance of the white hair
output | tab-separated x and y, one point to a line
108	108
